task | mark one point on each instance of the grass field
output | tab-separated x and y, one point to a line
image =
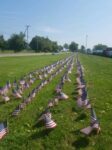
24	135
11	67
98	76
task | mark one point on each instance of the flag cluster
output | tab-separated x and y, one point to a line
46	115
48	73
45	75
83	100
17	88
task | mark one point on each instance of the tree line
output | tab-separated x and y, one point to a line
17	43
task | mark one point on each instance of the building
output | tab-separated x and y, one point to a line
108	52
98	52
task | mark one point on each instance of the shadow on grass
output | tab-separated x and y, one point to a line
41	134
76	109
74	93
56	110
38	124
76	132
75	83
2	102
81	142
81	117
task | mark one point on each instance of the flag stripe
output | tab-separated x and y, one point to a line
51	124
3	132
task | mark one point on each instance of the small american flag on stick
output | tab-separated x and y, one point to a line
3	129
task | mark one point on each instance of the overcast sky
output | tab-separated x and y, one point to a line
60	20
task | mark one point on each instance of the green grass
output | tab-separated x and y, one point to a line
98	74
11	67
25	135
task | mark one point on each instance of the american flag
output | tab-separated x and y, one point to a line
79	102
15	83
3	129
26	85
16	94
16	111
22	81
93	117
63	96
49	123
84	94
94	121
1	90
8	84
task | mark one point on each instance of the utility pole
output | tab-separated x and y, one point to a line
27	28
27	32
27	35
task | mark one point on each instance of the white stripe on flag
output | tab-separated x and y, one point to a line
50	124
3	132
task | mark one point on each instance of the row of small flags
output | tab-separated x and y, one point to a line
83	101
32	95
46	115
17	88
60	65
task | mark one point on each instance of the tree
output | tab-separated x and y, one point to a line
99	47
34	44
82	49
73	47
66	46
2	42
42	44
88	51
55	47
47	45
17	42
60	47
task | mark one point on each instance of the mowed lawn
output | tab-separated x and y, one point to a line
98	74
16	67
25	134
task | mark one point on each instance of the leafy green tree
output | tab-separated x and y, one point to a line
60	47
73	47
88	51
47	45
66	46
55	47
82	49
99	47
42	44
17	42
2	42
34	44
